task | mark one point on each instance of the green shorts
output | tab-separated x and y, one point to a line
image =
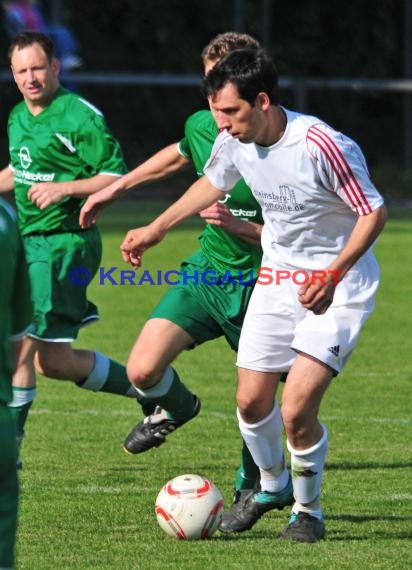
205	311
61	265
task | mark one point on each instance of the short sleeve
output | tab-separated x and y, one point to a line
220	169
98	148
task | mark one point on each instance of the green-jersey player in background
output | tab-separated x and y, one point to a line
16	317
61	151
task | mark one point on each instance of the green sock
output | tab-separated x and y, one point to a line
178	401
248	472
117	381
20	406
110	376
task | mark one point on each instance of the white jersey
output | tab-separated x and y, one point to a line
312	185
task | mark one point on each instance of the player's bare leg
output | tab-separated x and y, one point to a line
149	370
87	369
307	441
24	386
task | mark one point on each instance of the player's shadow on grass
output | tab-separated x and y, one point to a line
366	465
385	531
337	534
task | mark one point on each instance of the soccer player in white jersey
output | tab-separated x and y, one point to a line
322	216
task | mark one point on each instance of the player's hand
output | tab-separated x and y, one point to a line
317	295
219	215
136	242
94	206
46	193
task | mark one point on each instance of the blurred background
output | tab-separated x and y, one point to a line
139	61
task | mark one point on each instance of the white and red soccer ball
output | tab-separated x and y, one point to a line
189	507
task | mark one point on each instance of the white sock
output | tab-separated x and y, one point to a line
100	371
265	445
161	388
22	396
307	474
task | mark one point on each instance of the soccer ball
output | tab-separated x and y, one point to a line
189	507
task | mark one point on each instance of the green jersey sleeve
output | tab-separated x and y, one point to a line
98	149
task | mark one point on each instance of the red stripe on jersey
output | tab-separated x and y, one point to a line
341	168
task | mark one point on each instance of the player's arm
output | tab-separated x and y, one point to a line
45	193
318	296
220	215
6	179
198	197
163	164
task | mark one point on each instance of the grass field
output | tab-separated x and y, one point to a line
86	505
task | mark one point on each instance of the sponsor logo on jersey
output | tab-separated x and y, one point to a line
26	177
25	158
225	199
238	212
283	200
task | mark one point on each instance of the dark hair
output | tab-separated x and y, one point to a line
250	71
26	39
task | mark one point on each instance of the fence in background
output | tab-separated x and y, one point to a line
300	87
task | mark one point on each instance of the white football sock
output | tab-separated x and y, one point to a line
99	373
265	445
161	388
307	474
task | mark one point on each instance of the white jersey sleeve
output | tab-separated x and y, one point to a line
342	168
220	169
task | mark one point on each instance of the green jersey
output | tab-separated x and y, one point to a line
225	251
68	140
15	304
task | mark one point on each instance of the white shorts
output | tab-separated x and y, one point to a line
276	325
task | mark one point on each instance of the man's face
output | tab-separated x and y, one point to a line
236	115
36	77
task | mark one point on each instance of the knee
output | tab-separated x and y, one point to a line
296	422
252	409
143	374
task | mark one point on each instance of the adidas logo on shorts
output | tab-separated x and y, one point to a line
334	350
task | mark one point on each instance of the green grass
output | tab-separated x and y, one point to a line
86	505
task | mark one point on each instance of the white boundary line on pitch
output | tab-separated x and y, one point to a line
220	415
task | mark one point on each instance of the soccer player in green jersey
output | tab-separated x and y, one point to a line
192	313
61	151
16	316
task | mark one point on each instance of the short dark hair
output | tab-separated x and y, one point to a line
29	38
250	71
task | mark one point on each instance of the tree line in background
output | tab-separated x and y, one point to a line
360	38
